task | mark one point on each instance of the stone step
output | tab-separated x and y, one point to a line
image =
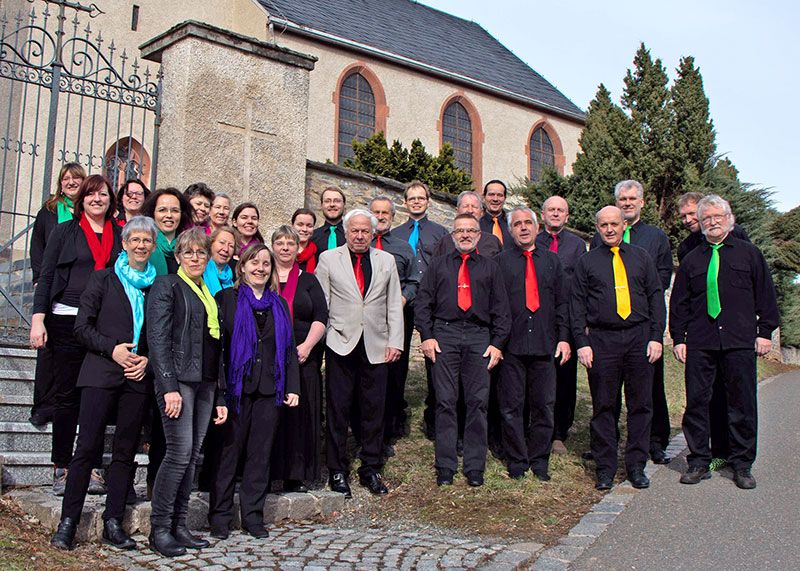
24	437
15	408
36	469
16	387
41	504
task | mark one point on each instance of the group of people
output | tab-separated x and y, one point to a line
166	311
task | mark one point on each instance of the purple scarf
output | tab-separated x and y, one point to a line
245	341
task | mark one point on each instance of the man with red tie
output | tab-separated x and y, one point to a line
537	297
494	220
364	335
461	312
568	247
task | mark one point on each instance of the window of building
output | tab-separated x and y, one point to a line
457	130
542	153
356	114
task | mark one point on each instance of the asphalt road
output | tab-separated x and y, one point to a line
714	524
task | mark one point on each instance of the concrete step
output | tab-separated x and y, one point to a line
16	387
15	407
24	437
41	504
36	469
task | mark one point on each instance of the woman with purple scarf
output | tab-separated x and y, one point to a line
262	374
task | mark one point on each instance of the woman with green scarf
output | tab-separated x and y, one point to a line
173	214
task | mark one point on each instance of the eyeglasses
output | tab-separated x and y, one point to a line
134	194
199	254
458	231
139	241
715	218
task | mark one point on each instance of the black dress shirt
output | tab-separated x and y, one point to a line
488	245
593	300
366	268
570	248
437	298
656	243
746	292
535	333
320	236
406	263
429	234
694	239
487	225
308	306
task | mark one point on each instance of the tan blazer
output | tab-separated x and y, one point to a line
378	316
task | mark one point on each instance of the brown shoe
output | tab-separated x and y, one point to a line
559	448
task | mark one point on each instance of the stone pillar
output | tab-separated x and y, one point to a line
234	115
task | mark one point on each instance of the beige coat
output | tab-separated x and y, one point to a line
378	316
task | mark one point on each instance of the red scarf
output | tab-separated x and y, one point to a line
288	290
308	257
101	250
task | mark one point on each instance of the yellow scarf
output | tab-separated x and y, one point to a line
208	301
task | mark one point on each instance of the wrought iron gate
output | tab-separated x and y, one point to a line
66	95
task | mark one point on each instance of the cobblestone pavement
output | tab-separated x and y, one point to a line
313	547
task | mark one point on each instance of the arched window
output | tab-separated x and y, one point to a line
126	159
542	153
457	130
356	114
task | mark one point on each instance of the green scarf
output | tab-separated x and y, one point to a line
64	209
208	301
163	249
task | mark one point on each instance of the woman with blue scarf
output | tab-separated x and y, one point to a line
218	274
262	374
114	381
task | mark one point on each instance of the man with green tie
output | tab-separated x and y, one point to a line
723	311
331	234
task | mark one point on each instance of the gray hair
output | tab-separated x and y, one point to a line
360	212
715	201
221	195
140	224
466	193
521	209
623	184
382	198
285	231
192	237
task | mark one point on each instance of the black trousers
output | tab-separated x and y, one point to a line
461	364
738	369
395	415
43	382
67	356
660	426
526	392
351	377
247	438
566	395
620	360
98	407
718	415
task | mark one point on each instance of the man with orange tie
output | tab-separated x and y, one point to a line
462	315
617	317
494	220
537	296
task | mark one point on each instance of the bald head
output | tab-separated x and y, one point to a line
610	225
555	213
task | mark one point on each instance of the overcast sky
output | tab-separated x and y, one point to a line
748	53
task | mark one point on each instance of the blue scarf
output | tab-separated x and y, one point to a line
244	342
217	280
133	282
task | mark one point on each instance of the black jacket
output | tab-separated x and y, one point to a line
104	321
42	227
59	256
175	320
261	381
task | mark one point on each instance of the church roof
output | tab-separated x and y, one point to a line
419	36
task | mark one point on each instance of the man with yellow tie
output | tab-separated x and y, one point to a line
494	219
617	319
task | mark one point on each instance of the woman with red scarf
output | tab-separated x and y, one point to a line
303	222
75	249
297	452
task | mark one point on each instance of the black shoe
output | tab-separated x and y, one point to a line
220	532
294	486
161	540
39	419
338	483
587	455
659	456
542	475
744	479
638	480
475	479
184	537
695	474
257	531
444	477
604	482
114	535
374	483
64	537
516	473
